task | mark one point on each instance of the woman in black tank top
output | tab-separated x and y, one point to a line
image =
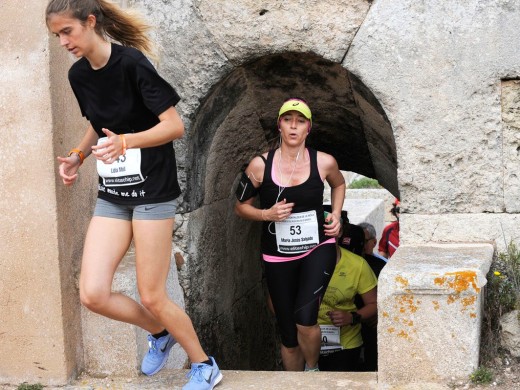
298	241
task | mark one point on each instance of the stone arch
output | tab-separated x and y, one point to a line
236	121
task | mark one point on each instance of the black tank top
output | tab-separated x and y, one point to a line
306	196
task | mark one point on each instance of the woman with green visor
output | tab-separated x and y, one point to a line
298	239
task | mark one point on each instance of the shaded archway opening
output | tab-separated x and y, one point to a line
237	121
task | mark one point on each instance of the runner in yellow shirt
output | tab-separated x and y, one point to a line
339	319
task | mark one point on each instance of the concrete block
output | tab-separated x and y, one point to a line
430	311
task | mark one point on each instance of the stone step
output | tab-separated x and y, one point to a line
113	348
235	380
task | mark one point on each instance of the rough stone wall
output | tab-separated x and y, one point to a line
436	68
510	98
40	244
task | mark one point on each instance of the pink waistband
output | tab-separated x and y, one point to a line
278	259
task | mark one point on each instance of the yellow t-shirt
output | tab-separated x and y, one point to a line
351	276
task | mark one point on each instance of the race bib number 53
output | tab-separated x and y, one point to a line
298	233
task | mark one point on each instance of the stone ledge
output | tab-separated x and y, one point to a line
237	380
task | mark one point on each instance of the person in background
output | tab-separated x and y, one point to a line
369	328
374	259
389	241
132	125
352	237
339	317
298	239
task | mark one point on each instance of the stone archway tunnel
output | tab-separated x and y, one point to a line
236	121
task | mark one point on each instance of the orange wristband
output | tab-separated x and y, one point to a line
80	154
123	140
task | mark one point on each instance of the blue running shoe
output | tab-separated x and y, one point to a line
203	376
158	353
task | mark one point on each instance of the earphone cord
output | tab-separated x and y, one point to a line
282	187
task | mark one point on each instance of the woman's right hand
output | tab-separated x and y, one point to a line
279	211
68	169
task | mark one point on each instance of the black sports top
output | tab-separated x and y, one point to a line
126	96
306	196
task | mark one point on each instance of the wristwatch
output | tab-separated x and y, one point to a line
356	318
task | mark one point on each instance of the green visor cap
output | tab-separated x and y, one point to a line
296	105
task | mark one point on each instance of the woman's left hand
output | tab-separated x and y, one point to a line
332	225
340	317
111	150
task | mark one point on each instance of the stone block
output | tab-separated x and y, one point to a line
372	193
430	311
114	348
511	133
497	229
366	210
510	324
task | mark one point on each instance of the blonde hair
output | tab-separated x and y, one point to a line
124	26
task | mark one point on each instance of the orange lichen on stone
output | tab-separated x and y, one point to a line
451	299
473	315
459	281
402	334
464	279
469	301
402	281
408	323
385	314
406	304
391	330
436	305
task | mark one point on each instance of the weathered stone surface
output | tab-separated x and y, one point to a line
382	194
240	380
499	229
191	60
511	129
250	29
426	296
225	293
510	324
40	321
358	138
443	103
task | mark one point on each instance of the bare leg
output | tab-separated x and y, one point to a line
106	243
309	339
153	243
292	358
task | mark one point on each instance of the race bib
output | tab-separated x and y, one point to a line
124	171
330	339
298	233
